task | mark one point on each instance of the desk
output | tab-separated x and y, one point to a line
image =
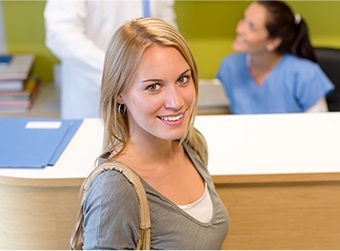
211	98
278	175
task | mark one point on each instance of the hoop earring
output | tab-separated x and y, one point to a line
121	109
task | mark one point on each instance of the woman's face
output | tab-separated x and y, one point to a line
252	35
161	97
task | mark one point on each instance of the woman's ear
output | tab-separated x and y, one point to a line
273	44
120	99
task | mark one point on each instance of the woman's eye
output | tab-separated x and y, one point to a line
252	27
183	79
153	87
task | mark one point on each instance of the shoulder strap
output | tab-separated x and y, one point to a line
145	222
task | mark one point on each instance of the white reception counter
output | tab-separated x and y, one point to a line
273	154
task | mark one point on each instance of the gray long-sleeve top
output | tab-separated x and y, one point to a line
111	216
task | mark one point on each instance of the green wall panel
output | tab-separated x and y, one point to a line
208	26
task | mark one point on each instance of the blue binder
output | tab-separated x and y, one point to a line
34	142
5	60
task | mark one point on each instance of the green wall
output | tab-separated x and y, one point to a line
208	26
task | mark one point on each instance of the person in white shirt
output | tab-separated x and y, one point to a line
78	32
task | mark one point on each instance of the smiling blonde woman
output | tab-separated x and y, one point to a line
149	103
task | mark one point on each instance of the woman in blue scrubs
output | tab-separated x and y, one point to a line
274	69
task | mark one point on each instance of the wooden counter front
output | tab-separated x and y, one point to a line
292	211
37	217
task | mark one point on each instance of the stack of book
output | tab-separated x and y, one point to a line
18	87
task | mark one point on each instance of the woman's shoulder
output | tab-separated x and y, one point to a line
304	71
295	61
110	180
299	66
234	60
200	162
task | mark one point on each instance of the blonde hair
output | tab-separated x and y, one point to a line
122	58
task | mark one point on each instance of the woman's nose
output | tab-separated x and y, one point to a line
240	26
173	98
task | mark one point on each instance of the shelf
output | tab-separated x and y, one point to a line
46	104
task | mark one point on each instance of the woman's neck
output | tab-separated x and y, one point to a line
261	65
151	152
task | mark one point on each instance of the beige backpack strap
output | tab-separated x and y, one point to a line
76	241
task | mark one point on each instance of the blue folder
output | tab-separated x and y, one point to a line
34	142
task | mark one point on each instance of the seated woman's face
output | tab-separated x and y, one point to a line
161	97
252	35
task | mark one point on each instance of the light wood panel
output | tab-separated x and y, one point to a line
296	211
286	213
37	217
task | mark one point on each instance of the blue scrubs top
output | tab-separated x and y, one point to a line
294	85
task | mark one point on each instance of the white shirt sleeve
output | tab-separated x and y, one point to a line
320	106
66	36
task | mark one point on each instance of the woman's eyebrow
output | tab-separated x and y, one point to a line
157	80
